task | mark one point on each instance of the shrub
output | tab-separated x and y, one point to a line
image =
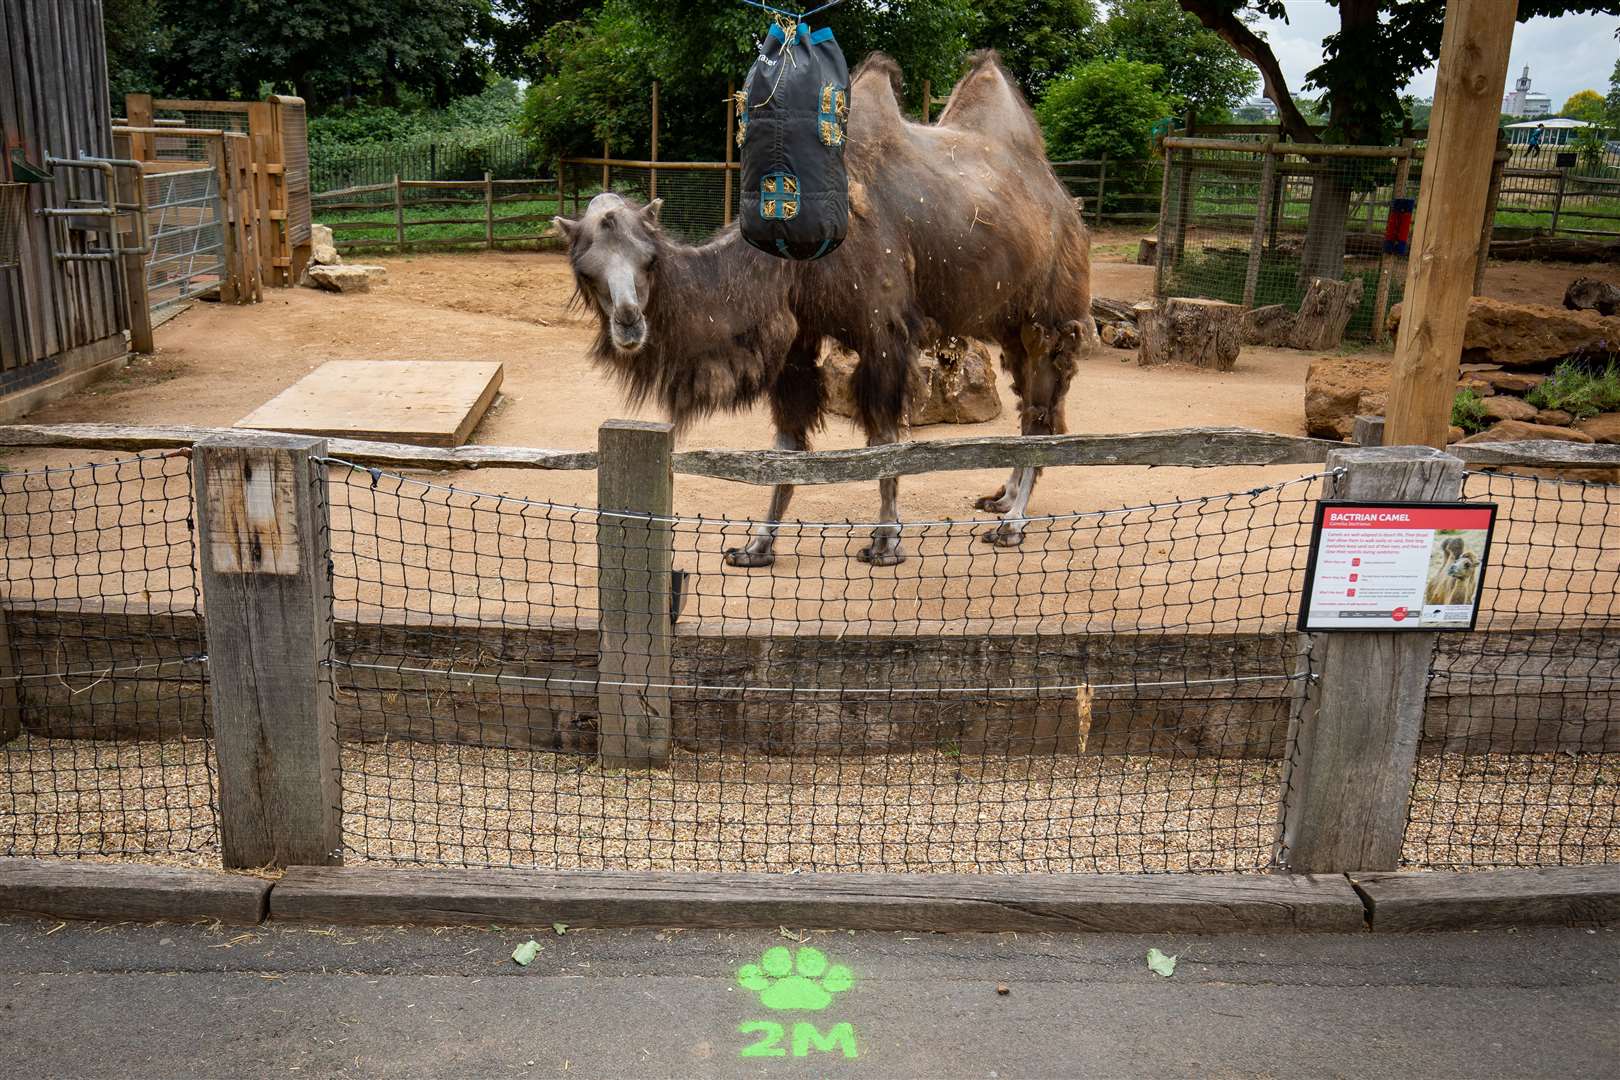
1468	412
1102	107
1578	391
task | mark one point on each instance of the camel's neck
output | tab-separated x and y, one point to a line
718	327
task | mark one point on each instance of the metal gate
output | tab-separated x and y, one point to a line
186	221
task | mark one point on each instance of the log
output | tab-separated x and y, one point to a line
1271	325
1556	249
1325	312
1203	333
1147	251
1105	310
1121	335
125	892
1584	293
1554	896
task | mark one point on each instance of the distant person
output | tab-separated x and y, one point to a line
1535	139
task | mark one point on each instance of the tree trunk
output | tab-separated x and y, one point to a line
1271	325
1323	255
1105	310
1204	333
1325	312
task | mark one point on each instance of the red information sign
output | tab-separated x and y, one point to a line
1396	566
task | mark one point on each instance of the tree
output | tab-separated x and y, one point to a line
1038	39
1102	107
1611	104
1587	105
1200	71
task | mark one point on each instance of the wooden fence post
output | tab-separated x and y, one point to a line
1102	182
230	285
138	113
132	190
1386	261
1257	238
1487	231
399	214
1348	781
928	100
261	512
10	690
635	553
653	172
1558	203
607	177
489	211
1161	248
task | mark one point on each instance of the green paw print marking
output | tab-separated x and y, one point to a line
795	982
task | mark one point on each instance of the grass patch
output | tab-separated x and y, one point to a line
1468	412
1219	274
1581	393
471	233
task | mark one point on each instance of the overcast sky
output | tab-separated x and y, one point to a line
1575	52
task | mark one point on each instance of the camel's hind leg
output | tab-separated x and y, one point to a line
884	550
796	406
1049	359
761	550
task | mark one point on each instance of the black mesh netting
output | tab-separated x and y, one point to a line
1112	695
104	726
1520	760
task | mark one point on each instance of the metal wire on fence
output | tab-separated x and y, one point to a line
1520	762
694	194
1113	695
106	665
508	157
1254	226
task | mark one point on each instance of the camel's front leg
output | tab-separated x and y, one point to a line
761	550
1014	507
884	550
1002	500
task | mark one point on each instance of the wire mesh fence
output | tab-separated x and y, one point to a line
1111	696
694	193
1115	192
1520	763
107	666
456	214
1254	225
506	156
185	220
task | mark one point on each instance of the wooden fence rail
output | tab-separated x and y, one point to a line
486	194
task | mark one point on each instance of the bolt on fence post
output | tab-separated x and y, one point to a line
635	487
1354	736
261	515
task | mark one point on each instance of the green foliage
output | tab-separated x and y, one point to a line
491	113
135	38
1590	147
1198	69
1587	105
1578	391
1102	107
1611	104
597	89
1038	39
1468	412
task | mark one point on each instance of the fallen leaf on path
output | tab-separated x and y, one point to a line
1160	964
525	953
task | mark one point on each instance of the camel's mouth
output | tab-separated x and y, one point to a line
628	337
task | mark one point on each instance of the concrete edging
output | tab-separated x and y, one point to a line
1392	902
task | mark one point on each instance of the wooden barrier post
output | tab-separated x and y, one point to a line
131	190
1558	203
261	512
1102	183
635	554
1386	260
489	210
1487	230
230	284
653	172
399	214
607	177
1161	248
138	113
1257	238
1445	237
10	691
731	138
1348	781
928	100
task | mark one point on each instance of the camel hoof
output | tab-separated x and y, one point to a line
885	556
745	558
1004	536
996	504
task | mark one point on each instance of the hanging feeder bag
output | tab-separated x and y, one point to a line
792	116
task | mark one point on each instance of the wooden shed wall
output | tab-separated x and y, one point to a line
56	318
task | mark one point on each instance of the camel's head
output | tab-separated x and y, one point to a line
613	247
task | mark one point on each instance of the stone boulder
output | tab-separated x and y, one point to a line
322	248
1554	418
347	279
1510	382
1338	389
1508	407
1522	431
1526	335
955	384
1603	428
1590	294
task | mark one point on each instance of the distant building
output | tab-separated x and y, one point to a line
1525	102
1264	107
1556	132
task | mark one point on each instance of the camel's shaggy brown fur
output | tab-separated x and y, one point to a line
957	229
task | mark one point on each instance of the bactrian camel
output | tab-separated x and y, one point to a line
958	228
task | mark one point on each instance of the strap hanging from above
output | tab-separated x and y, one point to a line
796	16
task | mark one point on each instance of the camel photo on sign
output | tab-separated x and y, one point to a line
1396	566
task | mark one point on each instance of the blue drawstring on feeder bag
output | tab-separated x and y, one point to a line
792	118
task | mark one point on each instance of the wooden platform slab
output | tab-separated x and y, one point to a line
945	902
118	892
1491	899
423	402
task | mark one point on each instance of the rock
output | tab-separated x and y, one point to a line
342	279
377	274
953	385
1121	335
1525	335
1469	369
1604	427
1511	382
1593	295
1337	389
1520	431
1454	434
322	249
1478	386
1508	407
1554	418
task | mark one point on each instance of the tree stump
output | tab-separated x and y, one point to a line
1271	325
1204	333
1325	312
1147	251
